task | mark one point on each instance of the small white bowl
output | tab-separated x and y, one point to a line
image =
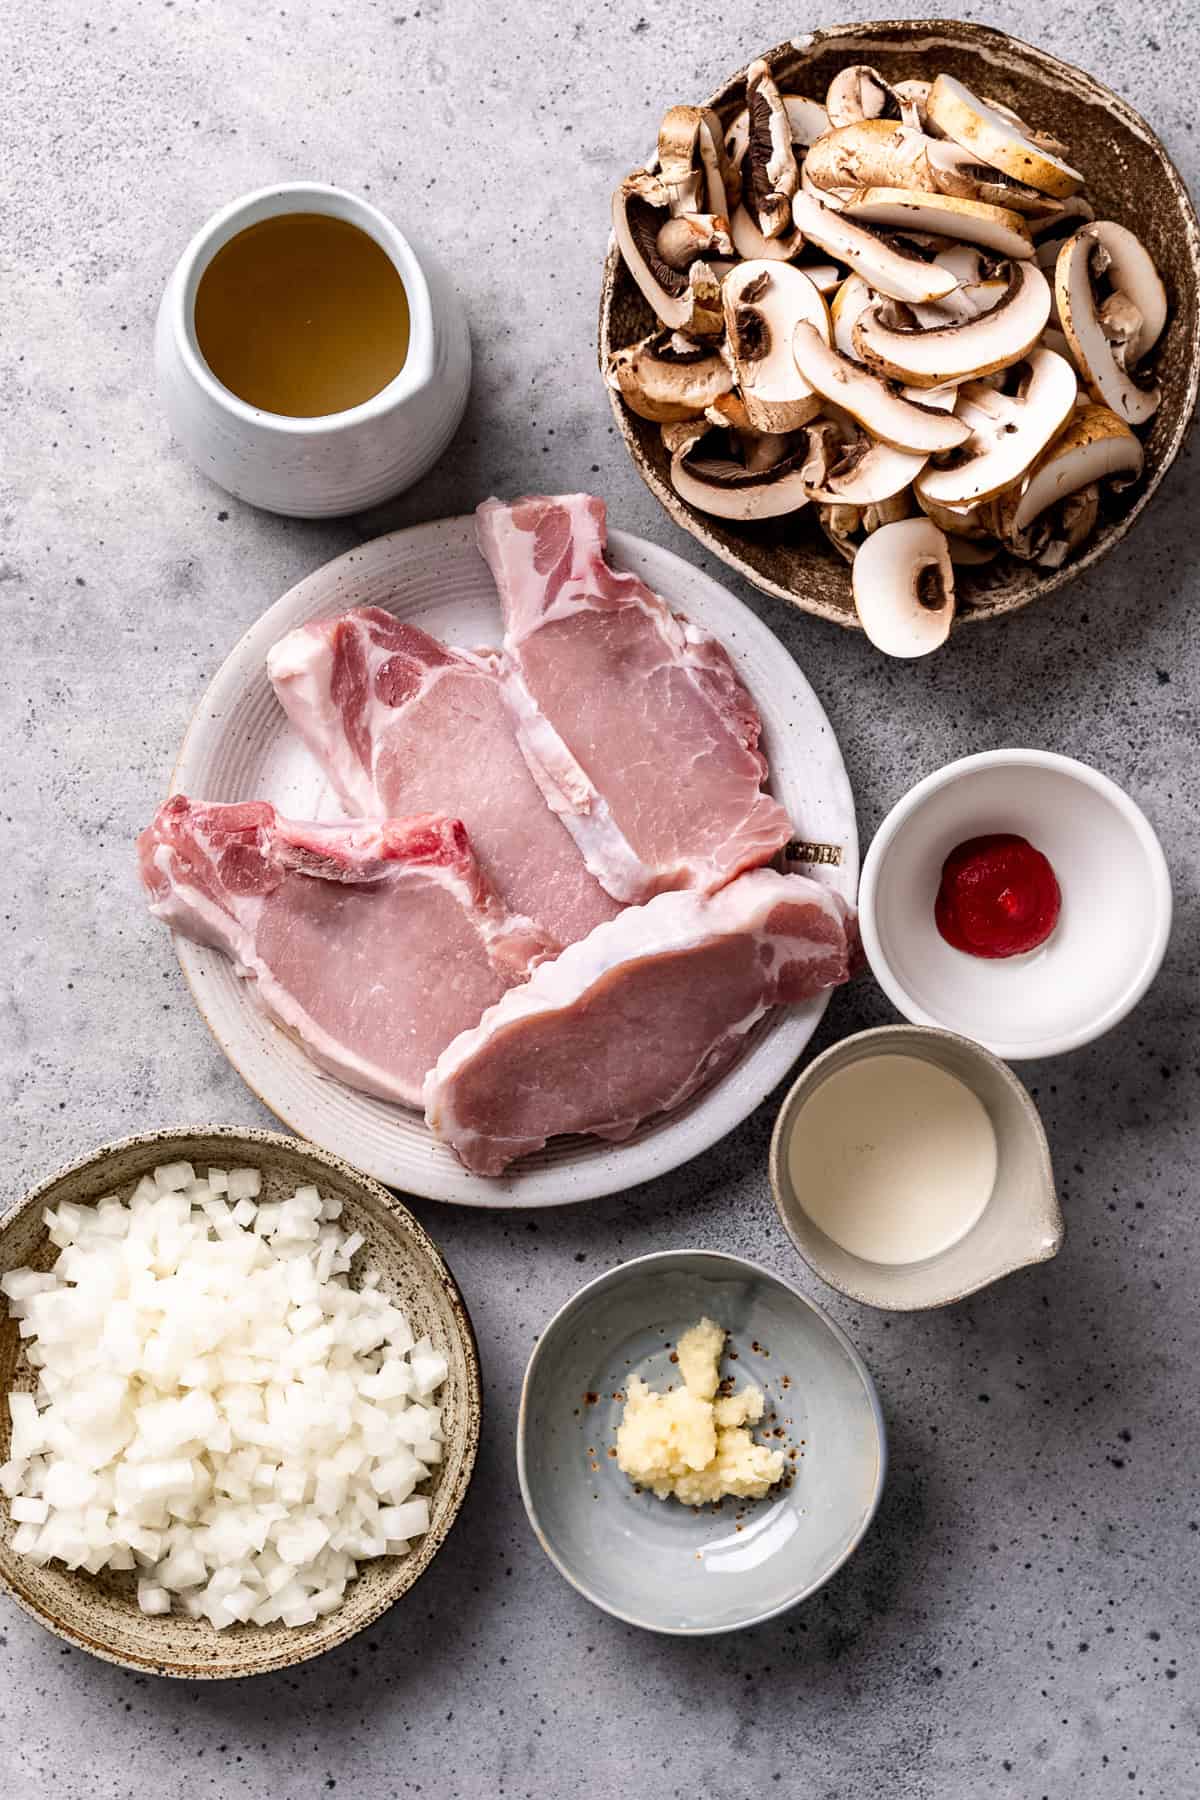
1111	934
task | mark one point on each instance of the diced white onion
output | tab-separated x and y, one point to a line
217	1408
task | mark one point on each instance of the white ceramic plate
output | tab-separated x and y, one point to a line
240	747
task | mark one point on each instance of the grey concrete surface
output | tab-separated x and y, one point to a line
1022	1621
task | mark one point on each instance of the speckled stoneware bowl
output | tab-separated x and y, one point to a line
100	1613
1021	1224
657	1564
1130	178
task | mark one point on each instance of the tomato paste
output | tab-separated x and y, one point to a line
998	897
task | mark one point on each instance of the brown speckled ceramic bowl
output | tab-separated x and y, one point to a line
1130	178
100	1613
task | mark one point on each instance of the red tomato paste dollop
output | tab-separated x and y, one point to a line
998	897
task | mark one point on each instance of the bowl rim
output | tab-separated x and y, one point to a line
889	1040
963	768
982	40
260	1140
747	1267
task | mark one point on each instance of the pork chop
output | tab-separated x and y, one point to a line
402	724
374	944
633	721
635	1018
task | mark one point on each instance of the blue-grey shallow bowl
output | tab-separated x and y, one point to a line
655	1563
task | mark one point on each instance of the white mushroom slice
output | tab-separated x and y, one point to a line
852	298
1096	446
668	379
997	229
833	198
826	277
764	302
846	526
770	170
727	490
888	270
905	424
913	97
684	238
953	353
966	302
957	521
873	153
1008	432
683	435
693	165
978	127
953	170
1095	355
750	243
682	301
1123	261
860	92
807	119
1071	211
903	584
867	474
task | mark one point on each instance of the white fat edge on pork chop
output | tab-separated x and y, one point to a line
546	554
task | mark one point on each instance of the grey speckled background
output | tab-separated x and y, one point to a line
1023	1619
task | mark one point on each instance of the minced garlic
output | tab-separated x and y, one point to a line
690	1444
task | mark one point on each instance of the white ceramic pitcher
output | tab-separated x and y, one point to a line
341	462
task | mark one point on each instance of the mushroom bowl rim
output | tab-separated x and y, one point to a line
980	40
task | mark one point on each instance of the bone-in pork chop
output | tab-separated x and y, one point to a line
635	1018
633	721
402	724
373	943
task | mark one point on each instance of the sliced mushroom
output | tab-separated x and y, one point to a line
807	118
693	165
1122	260
860	92
728	490
957	521
852	298
970	221
687	236
913	97
764	302
1095	446
903	584
682	300
683	435
771	172
825	277
834	198
953	170
751	245
951	353
994	139
872	153
847	526
1103	371
888	416
867	474
1008	432
886	268
1072	211
666	378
